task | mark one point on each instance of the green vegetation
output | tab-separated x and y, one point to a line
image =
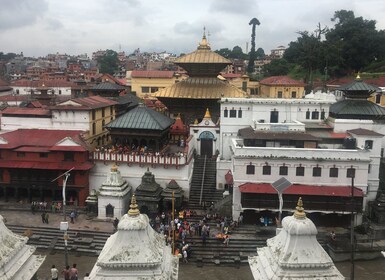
109	63
250	68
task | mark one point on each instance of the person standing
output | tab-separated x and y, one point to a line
72	216
43	217
74	272
54	273
66	272
46	216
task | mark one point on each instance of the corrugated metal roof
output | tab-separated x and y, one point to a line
152	74
26	111
108	86
200	88
249	133
365	132
141	118
358	85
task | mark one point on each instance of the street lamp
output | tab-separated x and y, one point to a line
65	175
64	227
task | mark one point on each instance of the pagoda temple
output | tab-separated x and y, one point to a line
294	253
149	194
202	89
136	251
17	259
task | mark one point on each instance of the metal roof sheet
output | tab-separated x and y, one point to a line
202	56
356	109
141	118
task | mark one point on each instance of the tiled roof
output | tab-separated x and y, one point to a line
200	88
40	83
87	103
249	133
364	132
40	138
142	117
281	81
152	74
356	109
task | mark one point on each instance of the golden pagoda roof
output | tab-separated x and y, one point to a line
202	56
201	88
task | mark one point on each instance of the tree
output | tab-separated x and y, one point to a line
237	53
277	67
260	53
254	22
357	40
225	52
109	63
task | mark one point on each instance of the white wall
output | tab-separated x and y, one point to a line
70	120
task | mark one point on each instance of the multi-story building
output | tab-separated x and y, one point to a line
281	87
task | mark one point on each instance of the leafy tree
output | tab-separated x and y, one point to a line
260	53
277	67
237	53
254	22
357	40
109	63
225	52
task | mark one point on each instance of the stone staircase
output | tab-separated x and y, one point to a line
203	181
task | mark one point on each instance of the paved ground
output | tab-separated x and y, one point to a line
373	270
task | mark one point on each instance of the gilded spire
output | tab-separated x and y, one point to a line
207	114
204	45
196	121
134	211
358	76
299	211
114	168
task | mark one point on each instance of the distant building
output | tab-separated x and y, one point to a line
281	87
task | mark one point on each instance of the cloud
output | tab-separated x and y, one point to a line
53	24
19	13
233	7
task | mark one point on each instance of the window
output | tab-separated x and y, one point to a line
154	89
94	128
233	113
315	115
240	113
103	113
226	113
68	156
323	114
300	171
20	154
266	170
111	110
43	155
250	169
369	144
333	172
279	94
293	94
283	170
93	115
351	173
59	91
378	98
369	168
316	171
145	89
307	114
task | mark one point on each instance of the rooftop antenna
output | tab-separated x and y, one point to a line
65	175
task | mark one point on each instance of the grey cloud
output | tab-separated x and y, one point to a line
14	14
53	24
233	7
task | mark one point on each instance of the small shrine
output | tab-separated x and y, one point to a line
136	251
294	253
172	187
148	194
17	259
114	195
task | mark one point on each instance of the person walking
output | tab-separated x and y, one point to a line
72	216
227	240
54	273
43	217
46	216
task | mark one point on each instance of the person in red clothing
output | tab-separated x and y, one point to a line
74	272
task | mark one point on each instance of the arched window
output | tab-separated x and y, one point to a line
250	169
283	170
266	170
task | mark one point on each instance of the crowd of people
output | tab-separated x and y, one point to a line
135	150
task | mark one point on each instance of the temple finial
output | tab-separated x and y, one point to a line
204	45
299	211
207	114
114	168
134	211
358	76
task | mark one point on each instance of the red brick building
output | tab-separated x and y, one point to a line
30	160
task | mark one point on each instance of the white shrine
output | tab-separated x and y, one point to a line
16	257
114	195
294	253
135	251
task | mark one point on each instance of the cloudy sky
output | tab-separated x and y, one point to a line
39	27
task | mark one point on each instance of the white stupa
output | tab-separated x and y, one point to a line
114	195
135	251
16	257
294	253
